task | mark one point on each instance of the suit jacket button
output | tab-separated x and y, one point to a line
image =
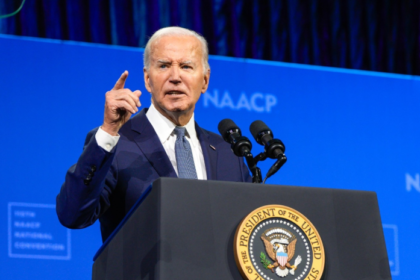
86	181
93	168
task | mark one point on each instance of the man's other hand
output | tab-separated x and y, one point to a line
120	104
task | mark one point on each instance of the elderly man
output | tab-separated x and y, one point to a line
125	155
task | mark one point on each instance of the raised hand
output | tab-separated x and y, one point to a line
120	104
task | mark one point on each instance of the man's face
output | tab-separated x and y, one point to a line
176	75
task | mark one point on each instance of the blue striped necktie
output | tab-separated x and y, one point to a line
184	157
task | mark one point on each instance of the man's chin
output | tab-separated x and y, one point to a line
178	108
178	111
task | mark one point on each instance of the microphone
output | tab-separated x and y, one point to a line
240	145
274	148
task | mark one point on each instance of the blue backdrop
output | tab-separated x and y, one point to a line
371	35
342	129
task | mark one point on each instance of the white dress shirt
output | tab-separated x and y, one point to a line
164	129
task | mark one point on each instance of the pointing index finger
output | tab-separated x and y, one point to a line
121	81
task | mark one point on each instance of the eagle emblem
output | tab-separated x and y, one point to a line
280	246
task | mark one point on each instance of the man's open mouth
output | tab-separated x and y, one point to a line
175	93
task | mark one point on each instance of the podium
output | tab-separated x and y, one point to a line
184	229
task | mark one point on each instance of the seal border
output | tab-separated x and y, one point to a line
241	224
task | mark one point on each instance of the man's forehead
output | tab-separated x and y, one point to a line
186	48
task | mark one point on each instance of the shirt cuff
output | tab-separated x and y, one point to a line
105	140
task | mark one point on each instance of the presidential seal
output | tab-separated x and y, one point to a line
278	242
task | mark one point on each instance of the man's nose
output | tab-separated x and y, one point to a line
175	77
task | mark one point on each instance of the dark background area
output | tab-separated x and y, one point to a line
378	35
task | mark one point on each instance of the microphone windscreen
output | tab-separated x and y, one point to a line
256	127
226	125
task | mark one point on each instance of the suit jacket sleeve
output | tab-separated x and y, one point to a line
85	194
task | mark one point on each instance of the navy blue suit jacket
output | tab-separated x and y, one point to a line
106	185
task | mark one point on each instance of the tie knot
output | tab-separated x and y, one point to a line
179	131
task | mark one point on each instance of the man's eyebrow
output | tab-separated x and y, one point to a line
162	61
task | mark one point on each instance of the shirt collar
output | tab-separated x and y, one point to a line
164	127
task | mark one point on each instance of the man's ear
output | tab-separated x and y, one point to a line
147	80
206	81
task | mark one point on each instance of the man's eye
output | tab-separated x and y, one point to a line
163	66
186	67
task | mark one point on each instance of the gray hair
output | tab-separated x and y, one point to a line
176	31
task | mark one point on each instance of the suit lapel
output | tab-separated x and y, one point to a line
209	154
149	143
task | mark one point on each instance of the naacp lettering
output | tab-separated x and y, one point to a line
412	182
256	102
